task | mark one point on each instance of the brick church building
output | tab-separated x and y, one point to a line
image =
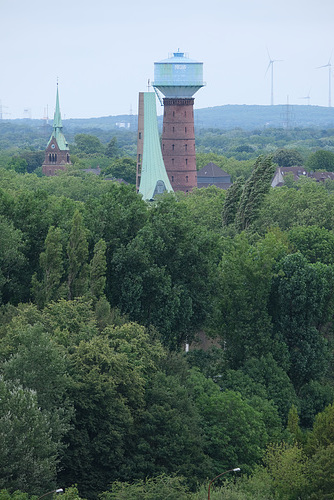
57	153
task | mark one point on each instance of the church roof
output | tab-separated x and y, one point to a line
57	132
211	170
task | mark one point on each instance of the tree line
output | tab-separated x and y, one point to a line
99	294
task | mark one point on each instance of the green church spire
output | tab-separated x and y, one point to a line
57	132
57	123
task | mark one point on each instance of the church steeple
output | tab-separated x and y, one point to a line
57	151
57	123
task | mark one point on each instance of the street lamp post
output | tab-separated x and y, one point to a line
230	470
58	490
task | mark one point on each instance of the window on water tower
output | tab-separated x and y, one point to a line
172	178
173	113
186	147
139	135
185	129
173	146
186	161
173	129
172	161
187	178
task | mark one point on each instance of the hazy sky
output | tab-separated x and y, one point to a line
103	52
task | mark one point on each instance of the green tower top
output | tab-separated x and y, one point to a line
154	179
57	132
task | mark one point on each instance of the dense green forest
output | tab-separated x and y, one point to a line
100	293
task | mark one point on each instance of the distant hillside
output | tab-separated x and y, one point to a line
251	117
35	133
222	117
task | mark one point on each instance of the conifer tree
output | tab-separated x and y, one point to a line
254	191
97	270
51	263
232	201
77	251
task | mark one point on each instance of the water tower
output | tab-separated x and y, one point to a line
178	78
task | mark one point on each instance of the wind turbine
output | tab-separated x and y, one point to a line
329	66
308	97
271	64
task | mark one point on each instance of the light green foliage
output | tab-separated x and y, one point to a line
323	429
321	474
293	425
18	164
77	251
17	495
204	206
162	487
28	455
308	205
288	467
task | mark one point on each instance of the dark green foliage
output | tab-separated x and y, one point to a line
244	283
28	456
77	252
112	149
235	434
12	262
161	276
97	270
314	397
315	243
52	266
122	168
86	143
321	160
288	158
232	201
301	301
170	436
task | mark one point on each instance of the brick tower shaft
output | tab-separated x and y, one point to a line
178	143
